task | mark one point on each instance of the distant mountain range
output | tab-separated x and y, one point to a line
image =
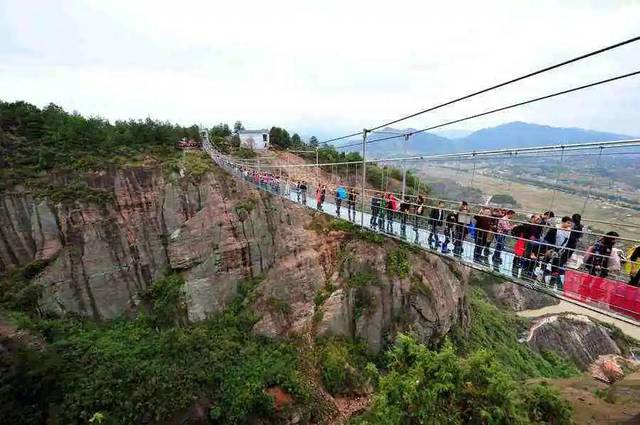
511	135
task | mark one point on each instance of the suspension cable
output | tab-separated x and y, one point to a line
504	108
494	87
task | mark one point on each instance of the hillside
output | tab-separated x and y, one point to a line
166	291
510	135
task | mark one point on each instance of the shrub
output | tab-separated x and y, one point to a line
18	292
546	406
437	387
134	372
167	300
342	364
398	263
28	385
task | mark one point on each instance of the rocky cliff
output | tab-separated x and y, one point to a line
218	233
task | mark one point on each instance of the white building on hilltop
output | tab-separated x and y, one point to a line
254	139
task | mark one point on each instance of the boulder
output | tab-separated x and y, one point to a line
517	297
571	336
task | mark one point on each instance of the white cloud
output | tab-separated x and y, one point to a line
312	66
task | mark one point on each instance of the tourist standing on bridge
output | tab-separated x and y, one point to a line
303	192
419	211
633	266
484	224
351	204
451	221
436	218
392	207
404	213
504	227
548	219
321	192
462	227
532	247
341	195
375	209
598	257
559	242
287	188
525	233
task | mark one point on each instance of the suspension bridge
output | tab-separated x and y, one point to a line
580	272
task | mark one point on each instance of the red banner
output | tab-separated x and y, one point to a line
607	293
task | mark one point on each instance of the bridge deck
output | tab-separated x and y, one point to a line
627	319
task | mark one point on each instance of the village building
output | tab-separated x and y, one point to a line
254	139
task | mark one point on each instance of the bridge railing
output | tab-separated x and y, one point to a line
529	261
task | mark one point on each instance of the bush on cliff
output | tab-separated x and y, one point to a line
133	372
440	387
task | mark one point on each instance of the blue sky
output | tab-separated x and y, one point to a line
318	67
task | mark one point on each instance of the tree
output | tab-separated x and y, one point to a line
238	126
279	137
313	141
220	130
295	140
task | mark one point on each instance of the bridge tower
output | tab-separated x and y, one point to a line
204	135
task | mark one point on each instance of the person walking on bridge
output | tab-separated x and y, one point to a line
436	219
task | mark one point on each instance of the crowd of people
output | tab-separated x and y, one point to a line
541	244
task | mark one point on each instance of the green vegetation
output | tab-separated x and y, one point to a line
73	191
29	387
398	263
342	364
35	142
440	387
362	278
17	289
378	177
131	371
499	330
167	301
504	199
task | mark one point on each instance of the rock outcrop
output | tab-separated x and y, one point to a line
573	337
219	233
517	297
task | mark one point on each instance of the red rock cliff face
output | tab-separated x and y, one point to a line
217	233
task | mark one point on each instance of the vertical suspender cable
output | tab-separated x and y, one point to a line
404	165
593	178
473	174
364	175
555	186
